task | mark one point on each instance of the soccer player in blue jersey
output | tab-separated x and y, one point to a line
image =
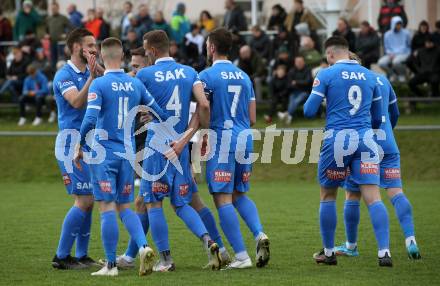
70	85
110	99
390	180
353	108
233	111
172	85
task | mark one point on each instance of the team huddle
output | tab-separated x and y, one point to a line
97	103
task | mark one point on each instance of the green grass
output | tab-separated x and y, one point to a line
32	213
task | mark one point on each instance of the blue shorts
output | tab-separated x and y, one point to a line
173	184
389	174
78	182
113	181
227	175
331	175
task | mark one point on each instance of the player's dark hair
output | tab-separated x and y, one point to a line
222	40
336	41
111	42
138	52
158	39
76	36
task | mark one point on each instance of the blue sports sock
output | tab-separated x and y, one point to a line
134	227
351	219
132	248
83	238
381	225
70	229
403	210
192	220
248	211
209	222
327	222
231	227
159	228
109	234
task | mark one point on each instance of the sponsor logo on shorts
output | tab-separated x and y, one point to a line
222	176
66	179
159	187
369	169
183	190
392	173
336	174
105	186
92	96
245	177
127	189
316	82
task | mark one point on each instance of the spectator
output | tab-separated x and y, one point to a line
237	42
300	79
368	45
307	50
27	20
283	58
176	53
344	30
75	17
279	92
427	64
180	24
132	42
397	49
104	31
417	43
30	43
260	42
144	20
389	9
5	28
206	22
93	24
134	25
277	17
57	27
125	21
252	64
35	89
436	34
159	23
283	40
15	74
41	63
234	18
196	38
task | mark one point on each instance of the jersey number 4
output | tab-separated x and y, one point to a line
236	90
355	101
174	102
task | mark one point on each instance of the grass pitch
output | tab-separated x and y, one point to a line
32	213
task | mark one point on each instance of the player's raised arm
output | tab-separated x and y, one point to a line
202	104
376	108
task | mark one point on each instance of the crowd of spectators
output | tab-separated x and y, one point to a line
285	60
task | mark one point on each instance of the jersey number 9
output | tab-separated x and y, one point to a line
355	100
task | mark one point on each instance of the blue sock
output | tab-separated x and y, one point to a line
159	228
327	222
381	225
70	229
209	222
132	248
83	238
192	220
404	213
248	211
134	227
351	219
231	227
109	234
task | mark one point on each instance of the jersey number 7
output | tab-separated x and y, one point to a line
236	90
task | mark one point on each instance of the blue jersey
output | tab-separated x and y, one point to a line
349	90
67	78
171	85
110	99
389	98
230	90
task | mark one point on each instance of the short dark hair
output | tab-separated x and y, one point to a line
76	36
158	39
138	52
222	40
111	42
336	41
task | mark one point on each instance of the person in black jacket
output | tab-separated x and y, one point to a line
260	42
279	92
436	34
344	30
300	80
427	64
234	17
417	43
104	32
277	17
368	45
15	74
389	9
